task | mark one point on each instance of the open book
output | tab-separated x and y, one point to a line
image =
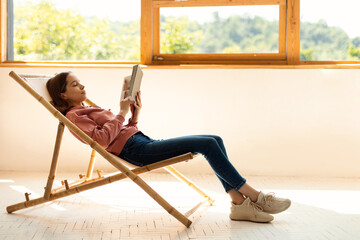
132	85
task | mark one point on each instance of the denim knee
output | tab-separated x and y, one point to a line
211	143
218	139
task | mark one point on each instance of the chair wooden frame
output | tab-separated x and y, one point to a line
87	182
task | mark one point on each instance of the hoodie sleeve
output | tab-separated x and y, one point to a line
104	135
132	124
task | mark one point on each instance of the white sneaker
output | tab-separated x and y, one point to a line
272	204
249	211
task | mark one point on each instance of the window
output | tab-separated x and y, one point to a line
68	30
173	32
331	34
218	31
225	29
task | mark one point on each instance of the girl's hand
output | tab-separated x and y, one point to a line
137	105
135	108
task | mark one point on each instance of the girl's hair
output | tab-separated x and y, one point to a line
55	86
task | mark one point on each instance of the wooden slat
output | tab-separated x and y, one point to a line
3	30
184	179
91	164
217	64
54	161
331	63
198	3
138	170
293	32
126	64
282	29
98	182
146	34
282	64
222	56
156	27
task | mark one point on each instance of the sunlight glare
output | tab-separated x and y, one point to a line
339	201
6	181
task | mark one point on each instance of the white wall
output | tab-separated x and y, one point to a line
288	122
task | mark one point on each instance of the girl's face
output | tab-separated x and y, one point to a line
74	93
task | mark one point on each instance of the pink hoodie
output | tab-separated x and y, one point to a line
103	127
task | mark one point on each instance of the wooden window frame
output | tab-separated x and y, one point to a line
219	58
289	42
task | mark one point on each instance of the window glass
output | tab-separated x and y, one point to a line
329	30
76	30
226	29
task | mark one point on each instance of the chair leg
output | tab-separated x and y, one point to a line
91	165
96	183
162	202
82	179
182	178
54	161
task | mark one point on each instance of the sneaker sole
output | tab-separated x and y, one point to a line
250	220
275	212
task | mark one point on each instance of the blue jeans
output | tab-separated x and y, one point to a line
141	150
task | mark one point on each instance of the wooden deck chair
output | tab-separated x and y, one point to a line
36	86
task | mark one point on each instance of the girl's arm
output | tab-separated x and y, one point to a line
102	134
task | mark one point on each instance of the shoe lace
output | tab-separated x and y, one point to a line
255	206
268	198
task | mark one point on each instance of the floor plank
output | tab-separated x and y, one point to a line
323	208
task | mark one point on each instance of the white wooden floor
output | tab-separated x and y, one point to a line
321	209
